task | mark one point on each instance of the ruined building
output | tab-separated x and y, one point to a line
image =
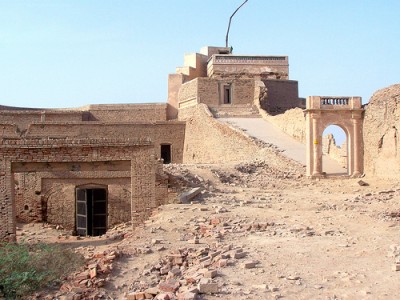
92	167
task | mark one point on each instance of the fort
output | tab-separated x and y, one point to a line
93	167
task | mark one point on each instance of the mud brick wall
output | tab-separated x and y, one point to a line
21	119
58	199
281	96
188	90
242	91
15	154
171	132
28	206
209	91
128	113
292	122
210	141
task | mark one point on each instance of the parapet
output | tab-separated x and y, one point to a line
333	102
224	65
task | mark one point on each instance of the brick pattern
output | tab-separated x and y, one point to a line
282	95
209	141
139	152
209	91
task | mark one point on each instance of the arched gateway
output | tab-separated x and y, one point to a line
347	113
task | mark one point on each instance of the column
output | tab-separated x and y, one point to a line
317	153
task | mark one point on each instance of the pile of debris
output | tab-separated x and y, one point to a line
94	275
189	272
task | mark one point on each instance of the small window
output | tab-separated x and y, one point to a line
166	153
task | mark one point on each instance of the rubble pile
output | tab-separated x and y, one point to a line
188	272
181	178
85	283
262	167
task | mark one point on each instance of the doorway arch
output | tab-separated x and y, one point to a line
345	112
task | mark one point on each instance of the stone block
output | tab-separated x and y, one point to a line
170	285
250	264
187	296
205	286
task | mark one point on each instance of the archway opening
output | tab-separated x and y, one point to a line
335	151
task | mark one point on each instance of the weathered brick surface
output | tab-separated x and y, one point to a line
52	158
210	91
282	96
381	137
209	141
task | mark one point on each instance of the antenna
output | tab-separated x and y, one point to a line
230	20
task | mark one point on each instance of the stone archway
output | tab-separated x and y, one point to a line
345	112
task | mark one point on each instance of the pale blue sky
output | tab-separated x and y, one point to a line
74	52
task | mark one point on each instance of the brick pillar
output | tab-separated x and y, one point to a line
7	206
143	199
317	147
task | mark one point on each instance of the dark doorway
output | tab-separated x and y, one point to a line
166	153
227	94
91	211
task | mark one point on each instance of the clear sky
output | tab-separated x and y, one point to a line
71	53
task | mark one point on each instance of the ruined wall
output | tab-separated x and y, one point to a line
28	206
58	200
275	67
338	153
209	91
22	118
187	95
209	141
175	81
292	122
171	132
128	113
105	113
79	161
381	137
282	95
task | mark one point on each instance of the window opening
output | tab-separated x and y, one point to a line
227	94
166	153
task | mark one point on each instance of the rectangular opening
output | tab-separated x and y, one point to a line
166	153
227	94
91	211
